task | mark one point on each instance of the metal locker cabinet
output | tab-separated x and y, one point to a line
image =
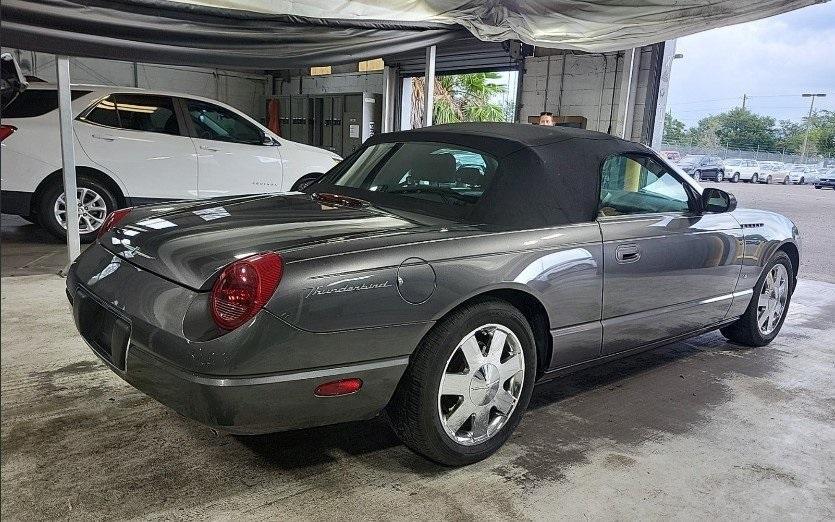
327	123
336	124
298	115
317	105
284	116
351	123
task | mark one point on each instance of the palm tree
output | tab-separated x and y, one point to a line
460	97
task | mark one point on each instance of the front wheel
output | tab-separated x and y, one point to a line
735	178
720	176
467	385
768	180
786	180
761	322
802	181
697	176
755	179
95	201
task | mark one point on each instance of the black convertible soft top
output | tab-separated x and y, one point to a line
547	176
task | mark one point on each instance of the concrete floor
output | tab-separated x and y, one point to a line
697	429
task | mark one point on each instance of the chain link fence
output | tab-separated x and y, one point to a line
757	154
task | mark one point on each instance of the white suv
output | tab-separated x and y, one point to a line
737	169
134	146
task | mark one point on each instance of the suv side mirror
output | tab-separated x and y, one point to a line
266	139
717	201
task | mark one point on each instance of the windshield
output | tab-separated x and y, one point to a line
733	162
691	159
444	174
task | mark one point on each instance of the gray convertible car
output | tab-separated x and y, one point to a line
434	275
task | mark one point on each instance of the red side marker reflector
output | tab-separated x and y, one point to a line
340	387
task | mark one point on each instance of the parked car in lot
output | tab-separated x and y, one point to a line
802	174
436	274
672	155
773	171
134	146
826	180
739	169
703	167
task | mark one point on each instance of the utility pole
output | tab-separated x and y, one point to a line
809	120
744	99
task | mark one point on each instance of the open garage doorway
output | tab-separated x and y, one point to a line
464	97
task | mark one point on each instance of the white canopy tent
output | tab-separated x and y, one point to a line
277	34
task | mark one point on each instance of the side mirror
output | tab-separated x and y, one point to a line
717	201
266	139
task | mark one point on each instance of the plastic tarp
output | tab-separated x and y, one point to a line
276	34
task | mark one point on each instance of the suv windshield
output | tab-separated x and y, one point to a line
390	173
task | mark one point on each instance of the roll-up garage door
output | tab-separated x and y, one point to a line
462	56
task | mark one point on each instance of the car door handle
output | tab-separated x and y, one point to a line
105	137
627	254
212	149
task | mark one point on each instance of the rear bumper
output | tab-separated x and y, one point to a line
265	403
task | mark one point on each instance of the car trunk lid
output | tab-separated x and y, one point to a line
190	243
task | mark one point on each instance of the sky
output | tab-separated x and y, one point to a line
772	60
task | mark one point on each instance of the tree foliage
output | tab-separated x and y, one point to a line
740	128
673	129
461	97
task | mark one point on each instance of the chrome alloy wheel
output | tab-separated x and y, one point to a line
772	301
91	210
481	385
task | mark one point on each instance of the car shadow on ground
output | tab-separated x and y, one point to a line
662	368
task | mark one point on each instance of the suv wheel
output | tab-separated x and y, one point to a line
786	180
735	178
802	181
720	176
761	322
755	178
467	385
95	201
697	175
768	180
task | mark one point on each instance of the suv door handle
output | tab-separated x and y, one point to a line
627	254
212	149
105	137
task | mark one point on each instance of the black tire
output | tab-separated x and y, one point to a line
768	180
786	180
720	176
46	204
697	175
745	330
305	181
755	178
735	178
802	181
413	411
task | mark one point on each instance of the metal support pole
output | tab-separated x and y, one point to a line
389	82
626	91
429	86
62	66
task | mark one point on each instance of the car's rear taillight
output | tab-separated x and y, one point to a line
113	219
243	288
6	131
